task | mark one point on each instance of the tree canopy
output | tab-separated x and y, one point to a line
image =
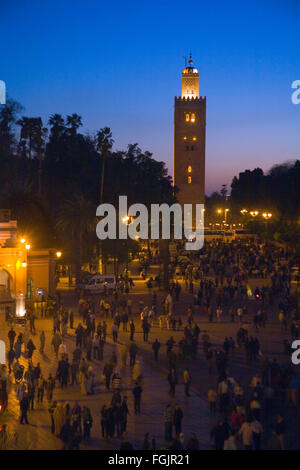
51	178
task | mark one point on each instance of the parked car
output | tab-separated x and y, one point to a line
99	283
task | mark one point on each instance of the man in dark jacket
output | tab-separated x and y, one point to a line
137	393
107	372
156	348
172	379
220	433
24	406
11	336
178	415
133	349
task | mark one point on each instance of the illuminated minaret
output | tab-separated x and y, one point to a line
189	139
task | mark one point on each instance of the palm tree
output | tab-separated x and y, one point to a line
8	115
30	131
57	123
104	144
74	121
33	132
76	219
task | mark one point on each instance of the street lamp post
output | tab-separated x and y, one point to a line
220	211
266	216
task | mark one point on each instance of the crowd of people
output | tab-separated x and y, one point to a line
216	282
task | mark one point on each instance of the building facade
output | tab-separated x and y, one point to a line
189	140
25	274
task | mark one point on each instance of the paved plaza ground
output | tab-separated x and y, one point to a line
155	395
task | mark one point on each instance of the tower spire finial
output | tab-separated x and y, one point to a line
191	60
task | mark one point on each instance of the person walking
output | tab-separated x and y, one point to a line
107	372
50	385
169	419
137	394
115	330
96	347
172	379
71	319
178	416
40	388
87	421
212	400
24	406
187	379
56	342
74	369
42	342
132	330
133	349
156	347
146	329
30	349
31	393
11	355
104	422
124	413
11	336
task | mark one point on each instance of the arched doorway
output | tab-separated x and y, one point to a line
6	300
5	281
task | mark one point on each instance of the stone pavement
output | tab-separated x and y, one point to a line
155	398
155	395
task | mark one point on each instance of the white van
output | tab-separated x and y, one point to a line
99	283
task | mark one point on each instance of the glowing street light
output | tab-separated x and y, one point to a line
254	213
27	246
22	240
58	254
220	211
243	211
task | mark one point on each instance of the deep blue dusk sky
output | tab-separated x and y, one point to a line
118	64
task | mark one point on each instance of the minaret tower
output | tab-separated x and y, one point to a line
189	139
